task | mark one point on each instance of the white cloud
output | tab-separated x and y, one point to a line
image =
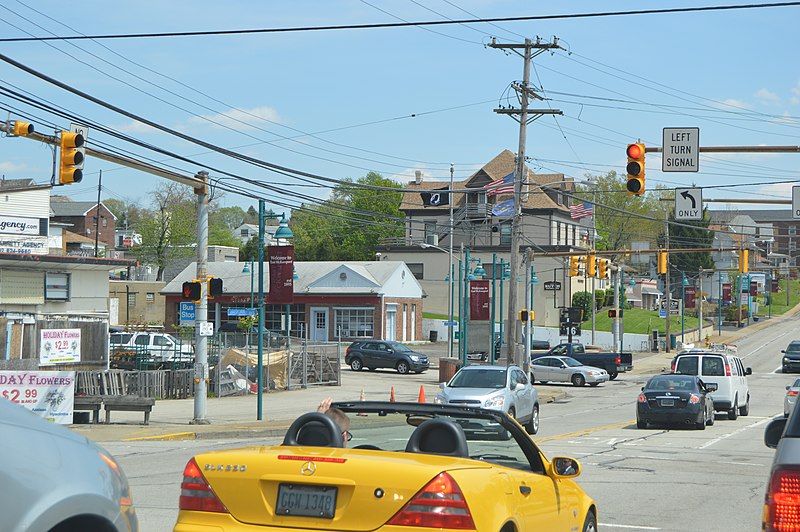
10	168
136	127
766	96
732	104
238	118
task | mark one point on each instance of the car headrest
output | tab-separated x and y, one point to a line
438	436
314	429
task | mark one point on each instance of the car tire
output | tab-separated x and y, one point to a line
371	369
710	420
701	425
641	424
613	375
593	384
733	413
512	413
578	380
532	427
402	367
356	364
745	410
590	523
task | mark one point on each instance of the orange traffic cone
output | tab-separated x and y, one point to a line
421	394
362	398
391	396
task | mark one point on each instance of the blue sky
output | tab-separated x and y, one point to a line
341	103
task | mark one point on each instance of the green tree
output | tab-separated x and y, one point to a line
168	228
616	213
583	300
351	223
689	234
128	213
231	217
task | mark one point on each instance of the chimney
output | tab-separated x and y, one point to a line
418	176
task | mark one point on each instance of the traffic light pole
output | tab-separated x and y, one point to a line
201	341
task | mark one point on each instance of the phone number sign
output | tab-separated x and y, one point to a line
60	346
49	394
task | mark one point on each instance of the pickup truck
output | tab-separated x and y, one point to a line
157	347
613	363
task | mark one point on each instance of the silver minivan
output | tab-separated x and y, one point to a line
726	371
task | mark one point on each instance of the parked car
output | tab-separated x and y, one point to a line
409	466
781	504
55	479
504	388
791	357
158	347
566	369
675	400
791	397
724	370
614	363
373	354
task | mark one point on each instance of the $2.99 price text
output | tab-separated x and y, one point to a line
14	395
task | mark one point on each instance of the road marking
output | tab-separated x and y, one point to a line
584	432
738	431
630	527
763	346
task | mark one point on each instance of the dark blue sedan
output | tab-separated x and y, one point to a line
675	400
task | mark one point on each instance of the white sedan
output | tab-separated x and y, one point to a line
566	369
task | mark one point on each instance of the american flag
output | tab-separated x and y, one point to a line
500	186
581	210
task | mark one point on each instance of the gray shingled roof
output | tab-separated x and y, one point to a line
376	274
74	208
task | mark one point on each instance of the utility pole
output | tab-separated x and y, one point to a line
97	216
201	341
617	284
522	116
450	272
668	305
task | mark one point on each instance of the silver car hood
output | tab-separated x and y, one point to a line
470	393
14	415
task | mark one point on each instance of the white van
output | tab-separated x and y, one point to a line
723	369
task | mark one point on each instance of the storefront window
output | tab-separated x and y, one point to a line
355	322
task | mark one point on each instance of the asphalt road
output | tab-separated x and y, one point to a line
654	479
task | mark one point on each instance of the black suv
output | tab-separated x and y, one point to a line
791	357
372	354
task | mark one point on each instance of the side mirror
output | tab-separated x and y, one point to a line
783	350
563	366
642	388
774	432
442	385
748	371
788	387
565	467
712	386
519	387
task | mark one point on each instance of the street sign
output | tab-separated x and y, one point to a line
450	323
688	203
186	312
795	202
552	285
569	329
206	328
242	312
680	149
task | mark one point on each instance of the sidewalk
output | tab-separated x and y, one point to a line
235	417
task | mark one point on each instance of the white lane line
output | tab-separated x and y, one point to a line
754	351
738	431
630	527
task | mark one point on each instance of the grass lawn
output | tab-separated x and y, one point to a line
640	321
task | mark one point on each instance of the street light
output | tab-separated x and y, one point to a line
283	233
249	267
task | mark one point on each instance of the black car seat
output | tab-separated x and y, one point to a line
438	436
314	429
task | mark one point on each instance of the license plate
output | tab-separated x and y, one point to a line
668	402
306	501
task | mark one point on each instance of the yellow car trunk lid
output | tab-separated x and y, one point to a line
355	489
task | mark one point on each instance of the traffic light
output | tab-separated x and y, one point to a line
22	129
192	291
574	266
602	268
661	261
635	169
214	287
591	265
524	314
744	260
71	158
615	313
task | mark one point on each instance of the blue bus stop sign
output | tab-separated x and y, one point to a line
187	312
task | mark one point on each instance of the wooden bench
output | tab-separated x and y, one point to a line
91	403
128	403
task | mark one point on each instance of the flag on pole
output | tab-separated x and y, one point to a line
581	210
500	186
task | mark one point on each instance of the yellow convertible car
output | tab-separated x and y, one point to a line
399	467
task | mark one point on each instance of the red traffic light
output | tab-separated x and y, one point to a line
192	291
635	151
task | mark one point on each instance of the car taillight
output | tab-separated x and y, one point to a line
347	351
727	370
440	504
618	361
642	398
791	392
196	493
782	504
694	398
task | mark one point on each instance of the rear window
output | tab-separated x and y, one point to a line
687	365
121	338
710	366
713	367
